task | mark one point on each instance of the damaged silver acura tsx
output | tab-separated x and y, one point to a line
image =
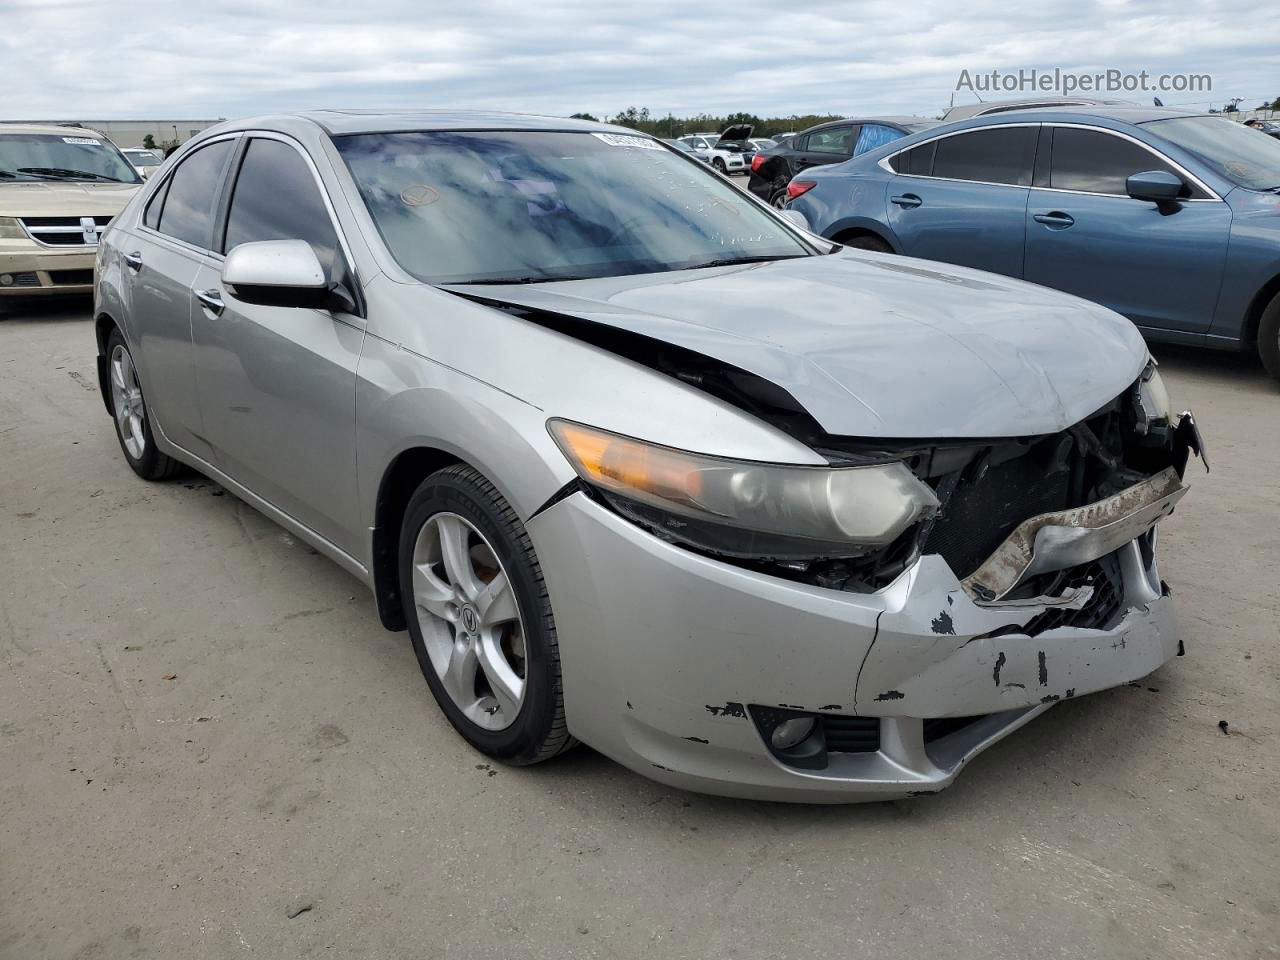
639	462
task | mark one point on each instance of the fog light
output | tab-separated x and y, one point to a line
790	732
6	279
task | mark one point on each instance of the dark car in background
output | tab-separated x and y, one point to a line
831	142
1167	217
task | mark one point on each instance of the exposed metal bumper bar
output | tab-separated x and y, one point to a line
1068	538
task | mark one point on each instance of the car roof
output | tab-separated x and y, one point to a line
1122	114
342	122
900	121
964	111
51	129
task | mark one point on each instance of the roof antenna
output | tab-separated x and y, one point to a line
1158	101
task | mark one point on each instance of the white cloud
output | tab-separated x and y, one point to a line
69	59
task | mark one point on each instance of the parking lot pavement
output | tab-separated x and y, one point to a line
209	748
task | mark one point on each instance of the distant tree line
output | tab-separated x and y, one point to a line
671	127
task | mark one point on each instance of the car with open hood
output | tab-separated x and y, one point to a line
59	188
726	155
635	459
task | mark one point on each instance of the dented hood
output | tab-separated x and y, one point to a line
875	345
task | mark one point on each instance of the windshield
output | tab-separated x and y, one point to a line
526	206
40	156
1230	149
143	158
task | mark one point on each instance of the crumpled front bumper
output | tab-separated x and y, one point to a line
663	651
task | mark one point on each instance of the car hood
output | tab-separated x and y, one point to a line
53	198
874	345
737	133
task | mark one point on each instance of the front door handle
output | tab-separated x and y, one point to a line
212	301
1057	220
133	261
907	201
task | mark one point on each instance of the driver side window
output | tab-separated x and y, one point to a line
276	198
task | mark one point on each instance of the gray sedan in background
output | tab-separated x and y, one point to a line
639	462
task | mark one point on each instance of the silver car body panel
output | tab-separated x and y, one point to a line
988	357
658	643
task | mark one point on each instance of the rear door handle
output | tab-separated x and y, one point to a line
212	301
907	200
133	261
1057	220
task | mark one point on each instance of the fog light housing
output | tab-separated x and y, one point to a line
6	279
793	737
791	732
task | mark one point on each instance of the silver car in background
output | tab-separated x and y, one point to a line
639	462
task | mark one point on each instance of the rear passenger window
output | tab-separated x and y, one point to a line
833	140
192	195
1002	155
918	161
151	217
276	198
1095	162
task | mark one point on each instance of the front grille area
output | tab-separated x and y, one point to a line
60	231
65	278
935	728
1098	612
851	734
982	512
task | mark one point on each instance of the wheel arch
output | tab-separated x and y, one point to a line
845	231
400	479
1257	306
103	324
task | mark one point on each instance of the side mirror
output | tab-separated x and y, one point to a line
280	273
1158	186
796	217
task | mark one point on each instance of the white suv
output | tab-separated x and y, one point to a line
708	146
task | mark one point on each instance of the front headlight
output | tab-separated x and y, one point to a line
11	229
1153	397
744	508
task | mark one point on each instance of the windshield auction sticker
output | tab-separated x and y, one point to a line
622	140
83	141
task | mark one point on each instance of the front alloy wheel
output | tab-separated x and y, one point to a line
470	623
480	617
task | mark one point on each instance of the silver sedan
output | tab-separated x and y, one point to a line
638	461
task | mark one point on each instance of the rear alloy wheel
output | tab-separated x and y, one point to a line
779	199
480	618
129	411
1269	337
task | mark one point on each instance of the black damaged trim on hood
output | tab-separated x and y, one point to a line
740	388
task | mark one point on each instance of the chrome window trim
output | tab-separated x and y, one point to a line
883	162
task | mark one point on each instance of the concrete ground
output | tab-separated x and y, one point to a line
204	731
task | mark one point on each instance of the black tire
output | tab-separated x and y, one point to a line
539	731
778	199
719	165
868	242
151	464
1269	337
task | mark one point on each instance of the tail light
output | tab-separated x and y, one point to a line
797	187
756	163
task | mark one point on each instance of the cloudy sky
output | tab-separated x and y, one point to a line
197	59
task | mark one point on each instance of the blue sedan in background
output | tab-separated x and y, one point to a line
1170	218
